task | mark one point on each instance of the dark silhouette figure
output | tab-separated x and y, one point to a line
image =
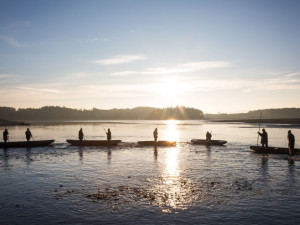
5	135
155	134
208	136
80	134
264	138
28	134
291	139
108	134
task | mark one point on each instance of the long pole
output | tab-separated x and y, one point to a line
259	127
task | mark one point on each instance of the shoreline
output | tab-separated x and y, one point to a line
12	123
294	121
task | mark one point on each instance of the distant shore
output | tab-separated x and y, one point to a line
12	123
274	121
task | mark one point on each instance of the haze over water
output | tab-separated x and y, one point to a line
128	184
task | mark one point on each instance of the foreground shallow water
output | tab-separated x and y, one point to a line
127	184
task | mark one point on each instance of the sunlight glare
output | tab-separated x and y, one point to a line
170	88
171	133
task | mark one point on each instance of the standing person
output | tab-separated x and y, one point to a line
155	134
5	135
208	136
80	134
28	134
108	134
291	139
264	138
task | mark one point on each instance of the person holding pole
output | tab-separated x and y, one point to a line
28	134
108	134
208	136
264	138
291	139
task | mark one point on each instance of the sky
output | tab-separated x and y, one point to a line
215	55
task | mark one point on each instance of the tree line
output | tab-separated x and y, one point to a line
56	113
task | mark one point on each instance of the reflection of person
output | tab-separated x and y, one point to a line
108	134
208	136
5	135
80	134
28	134
291	139
264	138
155	134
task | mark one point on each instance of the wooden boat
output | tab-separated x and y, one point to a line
94	142
158	143
26	144
273	150
205	142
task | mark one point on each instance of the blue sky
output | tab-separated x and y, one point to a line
218	56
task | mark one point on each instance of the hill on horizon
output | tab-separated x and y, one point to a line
138	113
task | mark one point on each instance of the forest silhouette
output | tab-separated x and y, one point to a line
56	113
53	113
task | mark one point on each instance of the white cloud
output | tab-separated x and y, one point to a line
245	85
7	75
181	68
119	59
11	41
42	90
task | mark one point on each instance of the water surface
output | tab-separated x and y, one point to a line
186	184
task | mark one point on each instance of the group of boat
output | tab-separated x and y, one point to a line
42	143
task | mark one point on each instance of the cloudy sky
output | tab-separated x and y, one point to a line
218	56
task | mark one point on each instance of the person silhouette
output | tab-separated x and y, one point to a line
208	136
5	135
264	138
108	134
291	139
28	134
80	134
155	134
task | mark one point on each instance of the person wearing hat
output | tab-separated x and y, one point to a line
264	138
291	139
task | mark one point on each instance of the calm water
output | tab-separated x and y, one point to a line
127	184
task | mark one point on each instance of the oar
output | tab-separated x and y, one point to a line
259	128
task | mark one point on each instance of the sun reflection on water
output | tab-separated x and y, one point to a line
171	133
172	191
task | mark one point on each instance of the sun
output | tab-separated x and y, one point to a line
170	87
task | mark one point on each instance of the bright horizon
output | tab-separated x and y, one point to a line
216	56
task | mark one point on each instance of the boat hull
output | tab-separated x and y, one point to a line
211	142
26	144
158	143
273	150
94	142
